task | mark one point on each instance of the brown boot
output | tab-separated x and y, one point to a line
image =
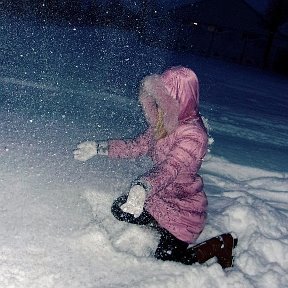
225	254
220	247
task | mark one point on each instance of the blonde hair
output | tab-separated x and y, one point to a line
160	131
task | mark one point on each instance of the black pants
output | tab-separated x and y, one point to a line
169	247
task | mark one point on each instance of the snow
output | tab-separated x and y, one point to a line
60	85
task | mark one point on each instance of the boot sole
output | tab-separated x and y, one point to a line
235	243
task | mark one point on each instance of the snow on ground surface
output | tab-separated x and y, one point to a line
60	85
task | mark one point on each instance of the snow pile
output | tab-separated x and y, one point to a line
253	204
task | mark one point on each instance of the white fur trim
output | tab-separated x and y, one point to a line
153	93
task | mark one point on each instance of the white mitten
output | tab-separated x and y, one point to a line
135	201
88	149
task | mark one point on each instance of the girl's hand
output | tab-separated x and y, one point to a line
88	149
135	201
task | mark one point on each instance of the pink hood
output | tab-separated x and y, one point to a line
176	92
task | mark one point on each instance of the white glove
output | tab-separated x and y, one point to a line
88	149
135	201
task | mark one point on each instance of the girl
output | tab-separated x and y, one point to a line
170	196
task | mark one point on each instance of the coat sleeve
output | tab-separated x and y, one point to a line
130	148
187	152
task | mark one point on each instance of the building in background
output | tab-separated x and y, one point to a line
230	30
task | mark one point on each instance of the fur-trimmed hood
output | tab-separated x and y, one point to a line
176	92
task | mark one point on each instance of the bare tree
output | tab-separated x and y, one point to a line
276	15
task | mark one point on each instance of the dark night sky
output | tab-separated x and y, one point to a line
259	5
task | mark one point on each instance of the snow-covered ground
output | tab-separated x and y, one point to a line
61	85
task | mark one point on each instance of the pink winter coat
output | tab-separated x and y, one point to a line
176	198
